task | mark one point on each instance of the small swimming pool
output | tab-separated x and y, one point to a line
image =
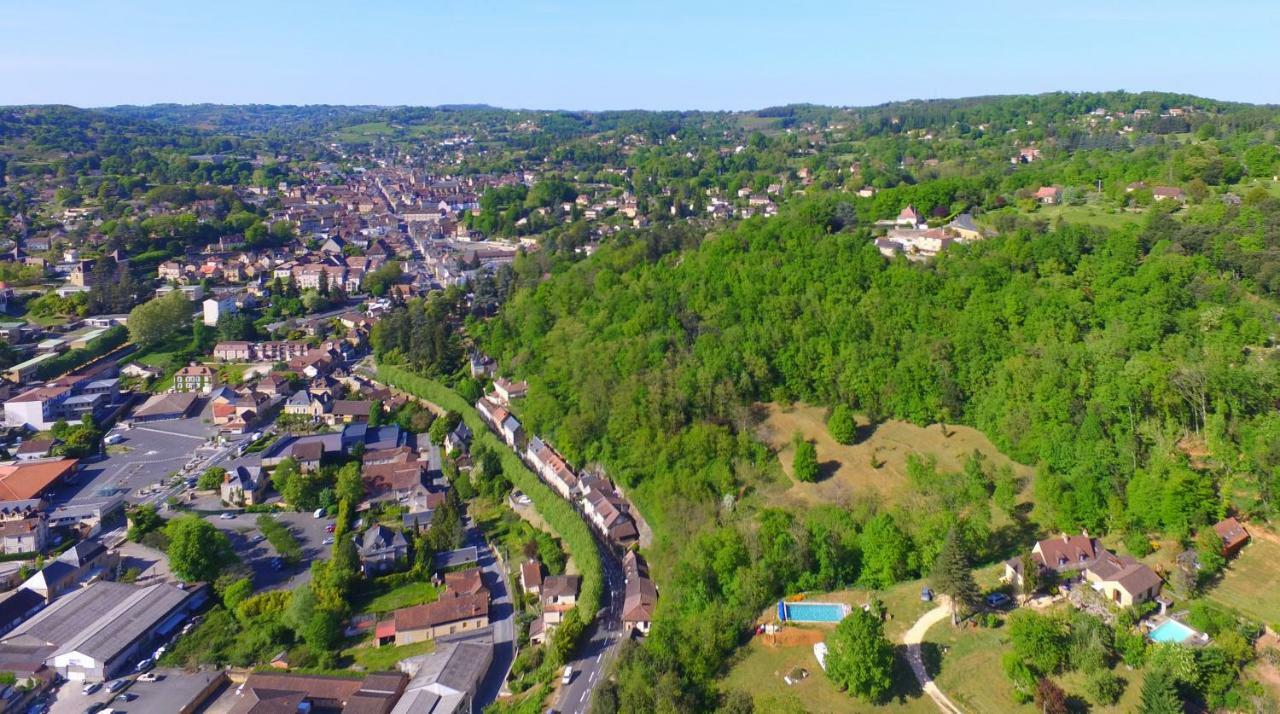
1172	631
813	611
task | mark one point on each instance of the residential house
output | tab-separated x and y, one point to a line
552	468
1048	195
215	308
195	378
304	404
446	616
1168	193
609	514
382	550
1123	580
458	440
511	431
531	577
347	411
1060	556
507	390
244	485
559	595
24	528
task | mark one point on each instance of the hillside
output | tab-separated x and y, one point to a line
1080	350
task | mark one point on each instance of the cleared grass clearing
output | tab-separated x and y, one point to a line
1252	579
850	471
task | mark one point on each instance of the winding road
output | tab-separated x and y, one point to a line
912	639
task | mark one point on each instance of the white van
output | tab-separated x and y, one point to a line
318	514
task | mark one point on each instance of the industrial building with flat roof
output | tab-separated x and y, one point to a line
101	630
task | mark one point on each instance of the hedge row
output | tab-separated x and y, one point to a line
72	359
557	512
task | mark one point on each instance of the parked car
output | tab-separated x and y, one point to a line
998	600
149	677
117	685
327	541
329	528
91	688
145	664
126	697
318	514
226	516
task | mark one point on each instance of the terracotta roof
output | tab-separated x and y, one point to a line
463	582
19	482
1067	552
442	612
1231	532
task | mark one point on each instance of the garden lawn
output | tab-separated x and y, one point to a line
1252	581
383	659
381	597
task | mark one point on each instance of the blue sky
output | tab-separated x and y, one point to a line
617	54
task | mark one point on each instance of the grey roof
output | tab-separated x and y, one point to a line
442	679
964	221
455	558
379	537
101	619
82	552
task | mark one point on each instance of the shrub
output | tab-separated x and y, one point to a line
1104	687
841	425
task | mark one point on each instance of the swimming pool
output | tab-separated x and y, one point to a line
813	611
1172	631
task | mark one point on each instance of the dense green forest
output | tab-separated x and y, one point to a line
1086	352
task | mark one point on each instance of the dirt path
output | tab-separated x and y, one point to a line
912	639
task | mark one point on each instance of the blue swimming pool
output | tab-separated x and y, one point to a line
814	611
1171	631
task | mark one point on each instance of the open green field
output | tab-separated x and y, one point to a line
1089	215
1251	585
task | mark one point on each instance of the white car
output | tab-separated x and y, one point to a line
227	516
327	541
568	674
149	677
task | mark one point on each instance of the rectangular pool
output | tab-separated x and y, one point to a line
1172	631
815	611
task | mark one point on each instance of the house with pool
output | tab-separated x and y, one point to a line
1120	579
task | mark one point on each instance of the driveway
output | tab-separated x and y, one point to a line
912	640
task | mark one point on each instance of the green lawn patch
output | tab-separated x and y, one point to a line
1251	582
380	596
381	659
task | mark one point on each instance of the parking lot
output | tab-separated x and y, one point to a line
166	692
258	554
146	455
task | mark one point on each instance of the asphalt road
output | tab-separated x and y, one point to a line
501	619
603	638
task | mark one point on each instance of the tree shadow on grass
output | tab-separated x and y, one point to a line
827	469
905	686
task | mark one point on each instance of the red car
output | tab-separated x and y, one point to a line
328	528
